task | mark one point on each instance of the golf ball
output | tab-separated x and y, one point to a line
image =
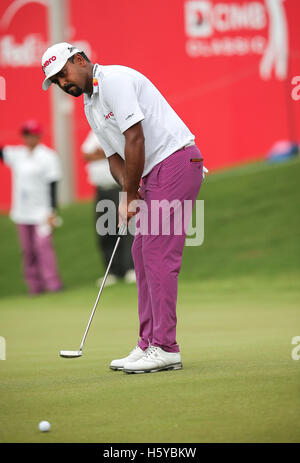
44	426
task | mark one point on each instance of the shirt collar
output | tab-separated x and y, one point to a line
87	99
95	79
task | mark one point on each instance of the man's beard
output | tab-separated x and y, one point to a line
76	91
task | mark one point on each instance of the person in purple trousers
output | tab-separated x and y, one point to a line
143	138
35	173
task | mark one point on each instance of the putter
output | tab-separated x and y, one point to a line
78	353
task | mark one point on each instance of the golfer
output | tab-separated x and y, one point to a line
143	138
107	190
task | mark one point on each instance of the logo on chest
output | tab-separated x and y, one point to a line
109	115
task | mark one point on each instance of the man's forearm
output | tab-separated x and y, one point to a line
117	168
134	164
53	195
134	158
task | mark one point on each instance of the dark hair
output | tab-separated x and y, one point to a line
83	56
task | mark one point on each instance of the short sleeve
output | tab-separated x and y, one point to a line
10	154
105	145
90	144
53	168
120	93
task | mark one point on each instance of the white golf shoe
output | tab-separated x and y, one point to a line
130	276
154	359
110	280
136	354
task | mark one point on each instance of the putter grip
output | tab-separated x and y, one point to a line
122	229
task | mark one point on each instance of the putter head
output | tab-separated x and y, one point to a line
70	354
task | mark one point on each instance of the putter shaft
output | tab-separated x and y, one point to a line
73	354
121	232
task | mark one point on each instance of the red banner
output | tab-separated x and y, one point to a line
228	68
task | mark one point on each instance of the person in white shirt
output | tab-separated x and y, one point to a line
35	172
107	189
143	138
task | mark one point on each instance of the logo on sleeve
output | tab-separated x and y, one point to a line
109	115
128	117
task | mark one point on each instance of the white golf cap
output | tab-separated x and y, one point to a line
55	58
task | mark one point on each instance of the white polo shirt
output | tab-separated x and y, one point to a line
98	172
124	97
32	172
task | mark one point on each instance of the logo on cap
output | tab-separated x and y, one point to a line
49	61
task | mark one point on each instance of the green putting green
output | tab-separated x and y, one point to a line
238	310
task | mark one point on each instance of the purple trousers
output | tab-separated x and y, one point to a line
157	256
39	262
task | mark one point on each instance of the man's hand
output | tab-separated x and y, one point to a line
128	206
52	220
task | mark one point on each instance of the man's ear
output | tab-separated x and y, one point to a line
78	59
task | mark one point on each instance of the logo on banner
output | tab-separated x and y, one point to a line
27	52
2	88
296	89
236	29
